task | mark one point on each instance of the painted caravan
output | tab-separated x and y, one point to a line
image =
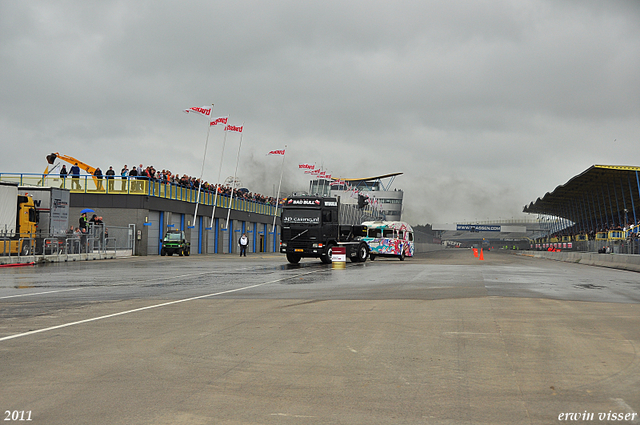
389	239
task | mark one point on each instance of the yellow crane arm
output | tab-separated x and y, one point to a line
71	160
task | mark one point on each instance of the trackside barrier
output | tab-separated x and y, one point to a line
615	246
338	257
115	244
27	245
52	245
6	242
616	261
63	250
72	246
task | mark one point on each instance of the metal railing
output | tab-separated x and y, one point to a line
139	186
19	247
618	246
98	239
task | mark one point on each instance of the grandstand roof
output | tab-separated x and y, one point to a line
384	176
600	193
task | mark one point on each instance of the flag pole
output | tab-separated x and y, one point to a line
275	214
235	174
206	143
215	197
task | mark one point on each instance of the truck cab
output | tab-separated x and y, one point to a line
311	228
18	221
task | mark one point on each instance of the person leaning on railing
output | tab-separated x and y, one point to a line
63	175
123	174
110	175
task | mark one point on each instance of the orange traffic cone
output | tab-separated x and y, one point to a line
481	256
475	252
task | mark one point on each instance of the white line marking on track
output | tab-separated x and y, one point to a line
92	287
135	310
40	293
290	415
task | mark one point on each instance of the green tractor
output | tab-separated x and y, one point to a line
174	242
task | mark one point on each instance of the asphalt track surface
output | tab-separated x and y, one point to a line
441	338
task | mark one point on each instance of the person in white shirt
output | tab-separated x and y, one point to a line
243	242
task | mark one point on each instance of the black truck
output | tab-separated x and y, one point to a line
311	228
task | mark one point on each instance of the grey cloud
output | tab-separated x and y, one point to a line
521	94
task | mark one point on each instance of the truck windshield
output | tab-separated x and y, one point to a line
173	237
301	216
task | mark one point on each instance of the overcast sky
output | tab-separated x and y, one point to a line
483	105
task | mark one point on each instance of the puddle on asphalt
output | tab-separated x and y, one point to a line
589	286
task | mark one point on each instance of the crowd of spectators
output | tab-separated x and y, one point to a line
167	177
631	228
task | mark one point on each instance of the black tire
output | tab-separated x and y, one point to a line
26	249
163	252
361	254
293	258
402	255
187	252
181	252
326	256
372	257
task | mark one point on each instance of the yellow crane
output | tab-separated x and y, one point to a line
71	160
51	158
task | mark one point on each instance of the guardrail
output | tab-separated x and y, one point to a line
138	186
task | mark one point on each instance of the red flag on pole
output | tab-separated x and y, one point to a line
219	120
206	111
237	129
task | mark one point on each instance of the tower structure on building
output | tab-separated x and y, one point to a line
378	188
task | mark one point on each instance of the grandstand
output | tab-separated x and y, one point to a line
596	210
497	233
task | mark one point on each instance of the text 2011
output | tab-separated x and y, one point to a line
17	415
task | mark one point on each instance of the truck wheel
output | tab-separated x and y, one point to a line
26	249
362	254
293	258
326	256
187	252
372	257
181	252
402	255
163	252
